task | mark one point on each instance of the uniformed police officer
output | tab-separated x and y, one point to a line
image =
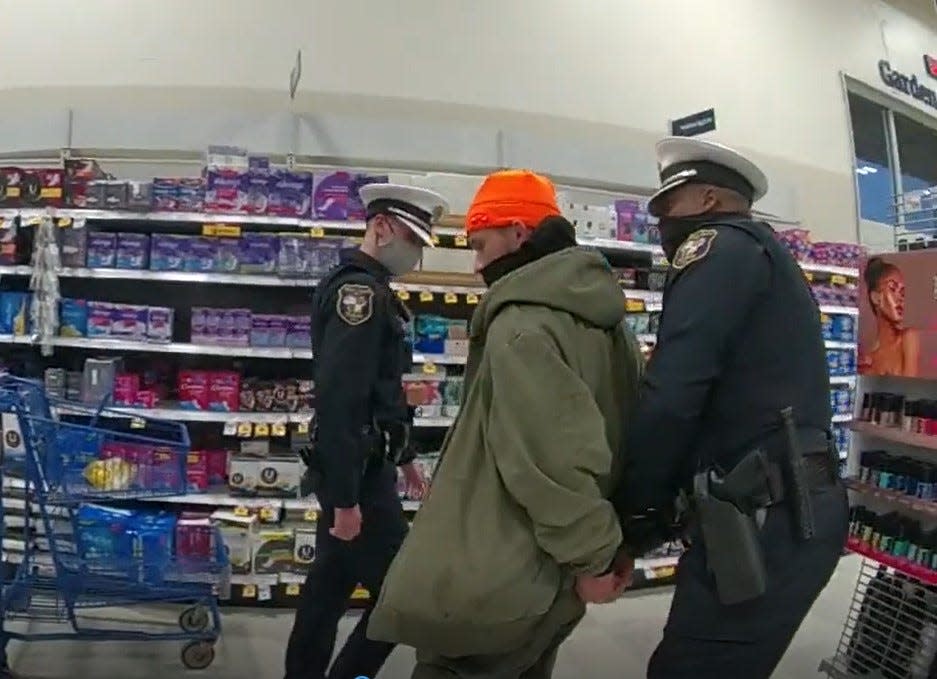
360	353
735	403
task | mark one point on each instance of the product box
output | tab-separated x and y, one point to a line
95	194
256	187
14	313
102	250
289	194
73	244
456	347
97	379
193	387
10	186
133	251
196	471
54	381
129	322
116	195
126	386
260	330
100	319
217	466
139	195
200	333
259	253
234	327
190	194
323	255
168	252
146	398
277	330
225	191
304	547
243	474
330	195
42	187
299	332
256	448
159	324
280	475
195	537
73	317
293	258
224	389
200	255
273	551
227	255
8	249
355	208
164	194
238	534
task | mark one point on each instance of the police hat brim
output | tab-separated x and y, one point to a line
416	207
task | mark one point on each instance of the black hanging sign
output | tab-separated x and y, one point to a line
692	125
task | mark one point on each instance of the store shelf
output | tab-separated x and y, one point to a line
842	418
895	435
846	310
440	359
895	497
830	344
182	415
843	379
7	270
647	338
433	421
222	497
925	575
178	348
847	271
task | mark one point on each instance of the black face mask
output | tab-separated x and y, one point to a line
675	230
551	235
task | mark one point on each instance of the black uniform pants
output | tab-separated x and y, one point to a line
704	639
338	567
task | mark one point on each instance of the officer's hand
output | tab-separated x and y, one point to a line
347	524
416	483
601	589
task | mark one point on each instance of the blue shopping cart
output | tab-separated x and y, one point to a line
81	552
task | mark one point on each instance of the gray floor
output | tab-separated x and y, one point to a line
613	641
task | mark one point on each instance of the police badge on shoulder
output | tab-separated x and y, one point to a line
355	303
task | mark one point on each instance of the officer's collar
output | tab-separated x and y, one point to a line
365	261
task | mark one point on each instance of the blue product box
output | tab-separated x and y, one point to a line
73	317
227	255
259	253
102	250
200	255
826	323
293	257
844	328
14	313
832	363
167	252
133	251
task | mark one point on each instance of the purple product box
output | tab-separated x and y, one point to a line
278	326
164	193
190	194
258	253
234	327
159	322
256	186
260	330
167	252
133	251
355	210
225	191
258	163
299	332
290	194
199	325
323	256
102	250
73	246
99	319
330	193
293	258
128	322
200	255
227	255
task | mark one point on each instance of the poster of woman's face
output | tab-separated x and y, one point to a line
898	314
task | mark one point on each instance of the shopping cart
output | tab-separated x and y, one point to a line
82	553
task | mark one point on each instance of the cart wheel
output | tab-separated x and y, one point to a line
194	619
198	655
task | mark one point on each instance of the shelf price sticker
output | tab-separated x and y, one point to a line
137	423
227	230
471	298
302	427
461	241
278	429
292	589
426	296
245	429
808	275
435	239
450	298
403	295
242	511
249	591
838	279
429	368
261	429
317	232
635	305
360	593
64	222
664	572
269	514
230	429
311	515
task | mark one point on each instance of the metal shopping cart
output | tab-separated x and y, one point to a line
81	550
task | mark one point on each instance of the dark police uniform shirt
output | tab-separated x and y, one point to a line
360	351
739	339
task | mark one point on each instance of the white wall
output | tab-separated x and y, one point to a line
619	68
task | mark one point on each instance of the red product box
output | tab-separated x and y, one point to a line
193	388
126	388
11	179
195	536
45	186
197	470
146	398
217	466
224	390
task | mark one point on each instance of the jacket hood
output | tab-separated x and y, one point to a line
575	280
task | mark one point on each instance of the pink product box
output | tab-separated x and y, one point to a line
195	537
193	387
126	387
197	470
225	191
217	466
100	320
224	390
146	398
128	321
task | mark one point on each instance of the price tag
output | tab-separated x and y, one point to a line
471	298
429	368
311	515
229	230
426	296
193	458
245	429
838	279
435	239
278	429
64	222
808	275
292	590
230	429
317	232
137	423
249	591
269	514
461	241
450	298
242	511
302	428
261	429
360	593
664	572
634	305
403	295
35	220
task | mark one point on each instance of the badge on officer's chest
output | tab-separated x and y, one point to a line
694	248
355	303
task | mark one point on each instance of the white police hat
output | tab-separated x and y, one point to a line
416	207
681	160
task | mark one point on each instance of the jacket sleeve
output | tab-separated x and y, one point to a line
547	437
347	371
706	304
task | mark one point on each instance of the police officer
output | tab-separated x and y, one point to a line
735	403
362	430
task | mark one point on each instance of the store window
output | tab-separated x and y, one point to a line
873	167
917	153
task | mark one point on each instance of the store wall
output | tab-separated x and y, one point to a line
581	89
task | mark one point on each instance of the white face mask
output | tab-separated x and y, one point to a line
400	256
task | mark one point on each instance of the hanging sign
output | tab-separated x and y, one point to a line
694	124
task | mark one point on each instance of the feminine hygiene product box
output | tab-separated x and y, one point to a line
100	319
14	313
193	387
330	195
225	191
224	389
164	194
259	253
290	194
168	252
102	250
159	323
133	251
200	255
129	322
73	317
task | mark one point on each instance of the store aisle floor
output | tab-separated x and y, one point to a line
613	641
